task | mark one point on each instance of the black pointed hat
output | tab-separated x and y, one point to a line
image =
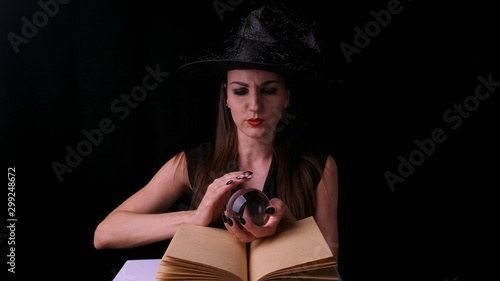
267	39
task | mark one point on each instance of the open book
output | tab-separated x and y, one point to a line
296	251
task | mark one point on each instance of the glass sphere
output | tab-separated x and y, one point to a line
248	203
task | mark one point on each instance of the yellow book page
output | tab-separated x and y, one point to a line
210	246
295	245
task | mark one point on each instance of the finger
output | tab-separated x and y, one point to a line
235	226
250	227
227	182
268	229
221	186
275	208
275	211
245	175
234	178
242	234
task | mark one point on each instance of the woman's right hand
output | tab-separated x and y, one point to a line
217	195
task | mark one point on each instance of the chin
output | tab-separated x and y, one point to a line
264	136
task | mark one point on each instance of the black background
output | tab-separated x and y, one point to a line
435	225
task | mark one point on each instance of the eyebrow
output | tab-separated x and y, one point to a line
262	84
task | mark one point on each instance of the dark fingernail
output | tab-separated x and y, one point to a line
243	221
238	177
247	173
224	218
229	182
270	211
230	221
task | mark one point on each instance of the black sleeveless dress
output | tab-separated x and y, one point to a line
204	153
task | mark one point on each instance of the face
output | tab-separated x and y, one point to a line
256	99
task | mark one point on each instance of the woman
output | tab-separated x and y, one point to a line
254	146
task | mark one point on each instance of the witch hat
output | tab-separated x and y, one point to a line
266	39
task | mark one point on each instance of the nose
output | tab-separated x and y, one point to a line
254	100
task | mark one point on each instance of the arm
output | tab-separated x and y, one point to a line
140	220
327	202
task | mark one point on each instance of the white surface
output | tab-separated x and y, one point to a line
138	270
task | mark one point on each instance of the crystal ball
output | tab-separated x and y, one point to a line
248	203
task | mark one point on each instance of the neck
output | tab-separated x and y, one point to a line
255	153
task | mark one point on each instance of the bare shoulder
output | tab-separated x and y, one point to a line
330	167
328	186
173	173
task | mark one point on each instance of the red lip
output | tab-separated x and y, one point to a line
254	121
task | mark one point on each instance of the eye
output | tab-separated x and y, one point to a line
268	91
240	91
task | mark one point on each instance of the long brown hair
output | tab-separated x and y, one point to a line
297	169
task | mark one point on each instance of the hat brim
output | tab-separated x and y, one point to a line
208	68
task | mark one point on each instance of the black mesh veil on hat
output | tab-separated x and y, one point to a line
267	39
